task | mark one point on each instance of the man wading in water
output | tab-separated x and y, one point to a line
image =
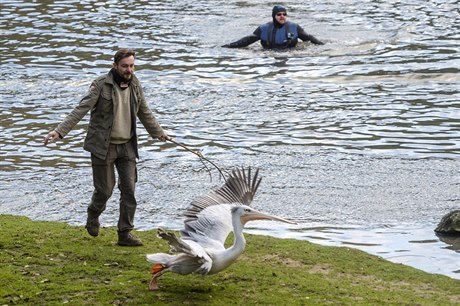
278	34
115	100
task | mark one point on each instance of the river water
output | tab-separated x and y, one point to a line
357	140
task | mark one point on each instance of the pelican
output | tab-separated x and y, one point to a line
208	222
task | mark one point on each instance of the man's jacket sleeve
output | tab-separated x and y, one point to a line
146	116
88	101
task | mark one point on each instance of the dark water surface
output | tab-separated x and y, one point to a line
357	140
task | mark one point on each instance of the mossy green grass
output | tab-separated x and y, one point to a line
52	263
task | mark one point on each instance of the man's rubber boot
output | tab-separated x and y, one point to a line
125	238
92	223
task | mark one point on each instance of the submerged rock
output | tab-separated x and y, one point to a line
450	224
453	241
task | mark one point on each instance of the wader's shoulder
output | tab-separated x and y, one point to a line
292	24
266	25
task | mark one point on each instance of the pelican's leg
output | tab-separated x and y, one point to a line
153	285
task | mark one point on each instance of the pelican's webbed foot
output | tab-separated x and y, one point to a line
153	285
157	271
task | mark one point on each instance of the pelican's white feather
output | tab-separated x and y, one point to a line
209	221
193	258
209	218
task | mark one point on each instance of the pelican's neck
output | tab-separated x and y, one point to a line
239	243
228	256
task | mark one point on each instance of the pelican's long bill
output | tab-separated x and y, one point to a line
257	215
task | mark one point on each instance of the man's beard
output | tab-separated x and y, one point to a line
120	79
125	77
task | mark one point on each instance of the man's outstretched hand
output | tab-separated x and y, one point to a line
51	137
164	137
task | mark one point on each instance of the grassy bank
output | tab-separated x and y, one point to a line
50	263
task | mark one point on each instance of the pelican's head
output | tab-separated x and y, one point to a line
246	213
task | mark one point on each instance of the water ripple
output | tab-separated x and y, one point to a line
363	131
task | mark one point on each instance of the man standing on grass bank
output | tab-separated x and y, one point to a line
115	100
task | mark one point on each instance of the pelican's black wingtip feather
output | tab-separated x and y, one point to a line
240	187
244	184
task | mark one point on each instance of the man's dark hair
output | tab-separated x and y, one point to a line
123	53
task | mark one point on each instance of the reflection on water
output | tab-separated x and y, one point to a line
363	132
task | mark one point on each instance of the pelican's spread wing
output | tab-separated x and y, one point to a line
209	219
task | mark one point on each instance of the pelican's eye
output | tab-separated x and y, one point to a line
247	210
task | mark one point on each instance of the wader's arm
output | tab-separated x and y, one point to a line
307	37
245	41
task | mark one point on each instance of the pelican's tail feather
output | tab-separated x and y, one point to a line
159	258
177	245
